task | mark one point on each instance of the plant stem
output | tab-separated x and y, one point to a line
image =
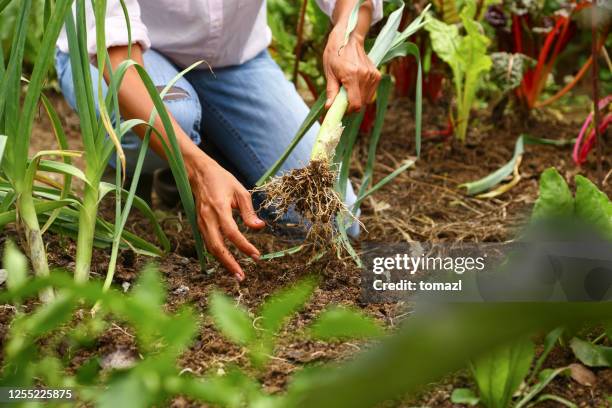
33	235
596	118
300	41
331	128
87	227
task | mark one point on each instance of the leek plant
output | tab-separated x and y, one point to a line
16	122
317	191
101	137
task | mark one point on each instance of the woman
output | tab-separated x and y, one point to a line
246	109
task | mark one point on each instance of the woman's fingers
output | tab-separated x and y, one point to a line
215	244
353	92
232	233
247	212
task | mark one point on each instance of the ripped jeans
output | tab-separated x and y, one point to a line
248	114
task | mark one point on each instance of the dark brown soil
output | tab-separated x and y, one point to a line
422	204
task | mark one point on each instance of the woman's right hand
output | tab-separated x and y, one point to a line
217	193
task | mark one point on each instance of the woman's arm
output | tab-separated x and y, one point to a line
216	191
349	65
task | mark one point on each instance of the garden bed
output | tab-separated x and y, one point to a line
422	204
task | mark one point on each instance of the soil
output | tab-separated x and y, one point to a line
422	204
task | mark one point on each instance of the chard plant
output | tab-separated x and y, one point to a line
466	54
317	190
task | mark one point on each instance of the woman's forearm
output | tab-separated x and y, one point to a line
136	103
342	12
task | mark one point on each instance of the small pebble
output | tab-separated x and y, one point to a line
181	290
118	360
125	286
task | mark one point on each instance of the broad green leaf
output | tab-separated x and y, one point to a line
467	57
179	331
221	390
555	199
280	306
508	69
464	396
593	206
149	291
590	354
16	266
51	315
231	319
343	323
433	342
500	373
118	390
445	41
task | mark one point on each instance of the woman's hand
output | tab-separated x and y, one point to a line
349	65
217	193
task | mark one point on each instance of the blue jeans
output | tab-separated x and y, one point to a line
248	114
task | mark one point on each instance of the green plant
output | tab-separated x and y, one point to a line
258	335
161	338
467	57
500	374
101	138
27	195
589	205
16	122
592	355
39	15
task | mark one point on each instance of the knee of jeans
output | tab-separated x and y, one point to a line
185	109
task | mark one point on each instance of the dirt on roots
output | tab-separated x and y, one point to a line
310	192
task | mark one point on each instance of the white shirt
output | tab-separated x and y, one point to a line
221	32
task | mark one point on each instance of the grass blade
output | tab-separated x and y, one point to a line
311	118
381	183
382	101
493	179
175	160
344	151
62	141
